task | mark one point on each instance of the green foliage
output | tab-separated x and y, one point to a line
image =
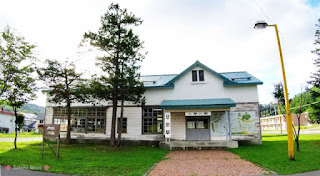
315	77
273	154
19	121
63	81
13	50
17	85
278	93
84	159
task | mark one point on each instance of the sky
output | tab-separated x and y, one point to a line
218	33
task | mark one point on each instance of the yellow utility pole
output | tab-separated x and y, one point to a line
288	117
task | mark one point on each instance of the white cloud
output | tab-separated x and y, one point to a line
176	33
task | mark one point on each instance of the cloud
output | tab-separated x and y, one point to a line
177	33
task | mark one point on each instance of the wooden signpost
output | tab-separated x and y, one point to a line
51	131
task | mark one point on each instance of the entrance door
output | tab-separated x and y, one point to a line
197	129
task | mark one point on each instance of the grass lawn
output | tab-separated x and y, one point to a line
83	159
25	134
273	154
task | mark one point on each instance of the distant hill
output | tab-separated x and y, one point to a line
29	108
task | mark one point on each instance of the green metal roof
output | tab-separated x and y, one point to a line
240	78
198	103
229	78
154	81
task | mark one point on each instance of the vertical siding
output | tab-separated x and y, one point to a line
134	118
178	126
48	115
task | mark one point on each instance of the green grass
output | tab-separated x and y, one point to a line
25	134
273	154
83	159
308	127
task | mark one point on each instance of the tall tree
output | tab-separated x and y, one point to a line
13	50
17	82
315	77
122	52
65	86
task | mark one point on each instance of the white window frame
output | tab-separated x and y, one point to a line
198	76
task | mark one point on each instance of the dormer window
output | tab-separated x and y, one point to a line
197	75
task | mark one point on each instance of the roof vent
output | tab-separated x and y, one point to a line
243	78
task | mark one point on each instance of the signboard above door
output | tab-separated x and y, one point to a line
205	113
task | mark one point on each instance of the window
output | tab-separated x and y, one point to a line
194	75
201	75
197	75
82	119
124	125
152	120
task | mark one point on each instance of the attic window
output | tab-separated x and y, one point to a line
197	75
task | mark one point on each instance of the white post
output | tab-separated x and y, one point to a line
167	127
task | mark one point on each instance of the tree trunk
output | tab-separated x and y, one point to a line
114	117
298	133
15	136
121	124
68	140
16	128
297	143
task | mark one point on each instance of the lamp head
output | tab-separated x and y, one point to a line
260	25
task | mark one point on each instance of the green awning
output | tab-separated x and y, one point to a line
198	103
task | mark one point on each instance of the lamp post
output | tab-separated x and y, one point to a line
262	25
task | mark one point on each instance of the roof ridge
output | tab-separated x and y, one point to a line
160	75
234	72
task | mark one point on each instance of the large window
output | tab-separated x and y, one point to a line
82	119
152	120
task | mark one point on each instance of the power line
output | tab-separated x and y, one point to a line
262	11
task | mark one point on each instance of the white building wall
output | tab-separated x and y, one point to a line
48	118
178	126
212	87
7	121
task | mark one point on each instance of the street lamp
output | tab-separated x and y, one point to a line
262	25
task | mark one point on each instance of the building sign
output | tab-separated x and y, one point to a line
51	130
167	122
208	113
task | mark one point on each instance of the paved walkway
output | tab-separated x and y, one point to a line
205	162
21	139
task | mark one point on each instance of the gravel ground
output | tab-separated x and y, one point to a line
205	162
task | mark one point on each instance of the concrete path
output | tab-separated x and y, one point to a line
21	139
205	162
21	172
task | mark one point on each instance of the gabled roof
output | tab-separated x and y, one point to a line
198	103
197	63
229	78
